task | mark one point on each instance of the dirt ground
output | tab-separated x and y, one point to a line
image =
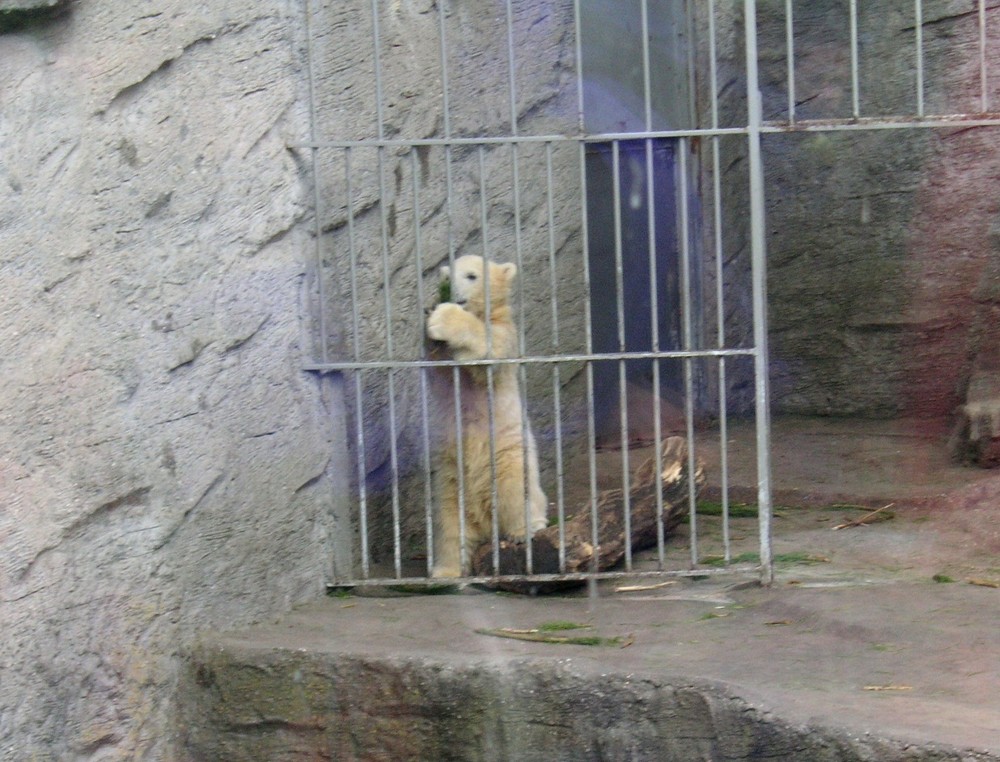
940	517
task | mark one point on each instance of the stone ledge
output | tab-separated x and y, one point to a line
287	705
415	679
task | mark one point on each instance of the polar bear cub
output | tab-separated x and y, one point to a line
461	325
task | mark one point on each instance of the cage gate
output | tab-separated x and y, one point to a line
528	138
616	157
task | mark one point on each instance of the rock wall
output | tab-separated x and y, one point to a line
165	464
877	239
249	703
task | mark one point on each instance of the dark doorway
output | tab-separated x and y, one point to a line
638	308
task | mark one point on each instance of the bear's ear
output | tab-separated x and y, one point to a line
444	273
509	270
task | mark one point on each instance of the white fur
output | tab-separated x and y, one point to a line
461	326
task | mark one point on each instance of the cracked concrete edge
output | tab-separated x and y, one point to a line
238	701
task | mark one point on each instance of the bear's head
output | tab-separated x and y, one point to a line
470	281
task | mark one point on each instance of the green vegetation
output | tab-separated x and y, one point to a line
799	557
561	625
736	510
545	633
741	558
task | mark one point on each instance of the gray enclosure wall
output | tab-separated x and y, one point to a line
166	466
883	255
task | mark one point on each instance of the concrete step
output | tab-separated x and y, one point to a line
697	670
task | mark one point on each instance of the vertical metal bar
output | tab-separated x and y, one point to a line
362	475
855	85
687	327
654	317
790	53
653	288
720	315
713	67
578	53
460	465
511	84
359	413
377	62
720	318
649	147
490	369
622	379
556	382
918	25
692	58
387	302
445	89
758	253
324	353
647	96
449	194
521	370
424	411
984	97
588	331
391	391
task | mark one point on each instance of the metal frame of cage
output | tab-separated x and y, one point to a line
751	132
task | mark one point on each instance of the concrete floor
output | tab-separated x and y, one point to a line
860	638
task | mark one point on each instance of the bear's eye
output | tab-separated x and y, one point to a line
470	276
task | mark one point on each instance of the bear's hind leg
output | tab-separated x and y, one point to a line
538	504
511	499
447	548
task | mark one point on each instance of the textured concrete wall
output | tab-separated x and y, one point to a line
165	465
878	239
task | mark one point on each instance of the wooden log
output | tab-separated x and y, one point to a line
579	547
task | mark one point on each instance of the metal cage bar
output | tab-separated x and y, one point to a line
397	366
758	251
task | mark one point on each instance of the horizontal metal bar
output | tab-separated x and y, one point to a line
601	137
322	367
988	119
984	119
528	578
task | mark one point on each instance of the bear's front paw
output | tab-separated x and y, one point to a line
443	320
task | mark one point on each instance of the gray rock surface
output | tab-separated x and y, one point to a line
877	239
705	671
165	464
